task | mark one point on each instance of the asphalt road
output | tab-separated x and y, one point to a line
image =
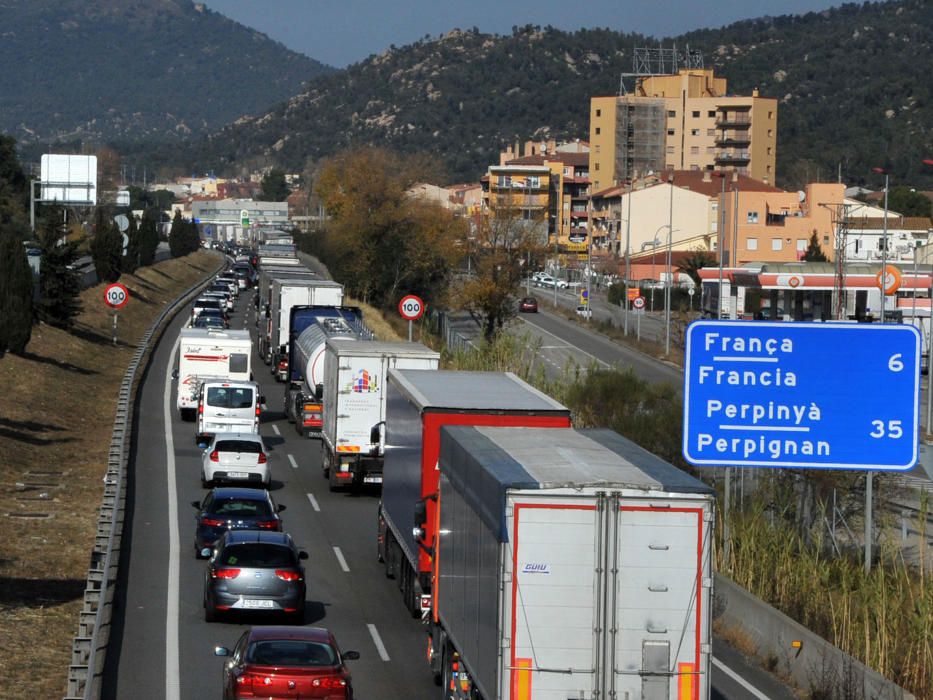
161	647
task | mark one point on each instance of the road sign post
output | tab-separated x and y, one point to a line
765	394
116	296
411	308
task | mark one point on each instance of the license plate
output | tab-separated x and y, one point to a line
372	479
238	475
248	603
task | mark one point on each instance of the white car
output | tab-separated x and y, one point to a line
238	458
548	281
585	311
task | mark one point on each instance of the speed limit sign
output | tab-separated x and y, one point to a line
116	296
638	303
411	307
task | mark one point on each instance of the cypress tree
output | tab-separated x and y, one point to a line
16	285
107	248
148	238
131	259
59	284
176	236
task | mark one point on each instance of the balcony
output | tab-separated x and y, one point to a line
734	119
729	140
733	157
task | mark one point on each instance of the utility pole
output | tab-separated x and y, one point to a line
628	250
670	271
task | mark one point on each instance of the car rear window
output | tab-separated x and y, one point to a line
238	446
239	506
291	652
229	397
258	555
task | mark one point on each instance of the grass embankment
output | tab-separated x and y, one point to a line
57	407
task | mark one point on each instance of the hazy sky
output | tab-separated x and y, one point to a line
340	32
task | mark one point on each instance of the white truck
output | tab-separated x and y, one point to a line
286	293
206	353
354	405
569	564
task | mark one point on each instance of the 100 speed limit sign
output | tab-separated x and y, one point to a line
411	307
116	296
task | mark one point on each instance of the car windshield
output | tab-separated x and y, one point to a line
239	507
229	397
258	555
203	321
238	446
291	652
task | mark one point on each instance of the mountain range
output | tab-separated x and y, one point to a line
852	83
135	70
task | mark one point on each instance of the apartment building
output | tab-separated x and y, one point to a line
686	121
519	193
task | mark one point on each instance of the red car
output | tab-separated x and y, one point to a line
528	305
286	662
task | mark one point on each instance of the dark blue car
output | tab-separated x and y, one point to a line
234	508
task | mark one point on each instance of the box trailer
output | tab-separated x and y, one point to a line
419	403
263	297
288	292
354	404
207	353
570	564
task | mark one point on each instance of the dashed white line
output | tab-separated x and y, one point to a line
314	504
377	640
341	560
738	679
292	461
275	429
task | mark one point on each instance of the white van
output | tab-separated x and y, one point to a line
227	407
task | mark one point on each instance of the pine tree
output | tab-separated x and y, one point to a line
814	252
177	236
107	248
16	285
193	238
148	238
59	284
131	259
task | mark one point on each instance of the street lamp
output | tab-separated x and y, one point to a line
884	241
719	236
628	249
670	271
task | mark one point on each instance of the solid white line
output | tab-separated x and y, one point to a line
172	666
771	428
293	462
314	504
580	350
275	429
341	560
377	640
738	679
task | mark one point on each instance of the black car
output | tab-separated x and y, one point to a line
231	508
255	571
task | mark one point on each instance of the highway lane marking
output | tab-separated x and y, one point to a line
738	679
275	429
377	640
341	560
558	338
293	462
172	665
317	508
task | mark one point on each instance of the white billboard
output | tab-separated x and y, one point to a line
69	179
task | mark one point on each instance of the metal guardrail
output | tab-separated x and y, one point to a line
89	647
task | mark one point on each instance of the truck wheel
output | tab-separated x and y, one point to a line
187	414
332	482
325	461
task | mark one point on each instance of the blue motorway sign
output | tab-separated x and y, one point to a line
802	395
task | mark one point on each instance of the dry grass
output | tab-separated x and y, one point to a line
377	322
56	415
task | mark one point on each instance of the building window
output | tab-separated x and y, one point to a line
770	133
599	113
596	182
825	240
669	166
710	149
504	181
696	114
694	150
710	132
767	168
670	132
776	243
598	131
801	245
596	165
694	132
534	181
694	167
670	149
671	113
597	148
770	114
751	244
751	217
769	150
711	114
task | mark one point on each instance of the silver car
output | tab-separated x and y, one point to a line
255	571
238	458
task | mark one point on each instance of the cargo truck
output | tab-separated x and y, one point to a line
301	401
207	353
286	293
569	565
419	403
263	297
354	403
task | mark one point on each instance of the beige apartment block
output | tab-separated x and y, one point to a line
686	121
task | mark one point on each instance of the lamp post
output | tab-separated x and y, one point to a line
884	241
670	272
929	163
628	251
721	227
654	251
